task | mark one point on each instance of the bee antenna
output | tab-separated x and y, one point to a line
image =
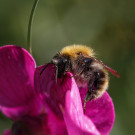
44	68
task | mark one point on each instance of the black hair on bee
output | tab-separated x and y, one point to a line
86	69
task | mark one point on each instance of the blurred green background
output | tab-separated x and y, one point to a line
108	26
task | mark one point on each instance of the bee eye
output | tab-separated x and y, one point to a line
87	60
64	60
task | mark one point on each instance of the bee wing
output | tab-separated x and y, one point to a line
112	71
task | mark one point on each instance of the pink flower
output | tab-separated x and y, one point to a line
66	100
18	98
38	106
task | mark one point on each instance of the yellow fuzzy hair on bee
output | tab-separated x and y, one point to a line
74	50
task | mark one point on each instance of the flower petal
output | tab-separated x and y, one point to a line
56	125
30	126
66	98
46	124
77	123
7	132
101	112
53	94
33	108
16	76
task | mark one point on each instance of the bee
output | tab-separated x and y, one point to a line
88	71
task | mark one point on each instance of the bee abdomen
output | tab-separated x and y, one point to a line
101	84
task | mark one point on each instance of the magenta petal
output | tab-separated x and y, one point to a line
33	108
28	125
56	125
101	112
53	94
13	113
7	132
77	123
46	124
66	98
16	76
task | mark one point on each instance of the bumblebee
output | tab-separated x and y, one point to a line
88	71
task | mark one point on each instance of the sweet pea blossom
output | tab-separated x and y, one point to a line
18	98
39	106
66	101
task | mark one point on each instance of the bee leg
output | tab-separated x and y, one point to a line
64	74
44	68
89	96
63	79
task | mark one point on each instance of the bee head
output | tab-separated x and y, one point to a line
58	61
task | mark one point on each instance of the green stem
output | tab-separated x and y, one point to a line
30	25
